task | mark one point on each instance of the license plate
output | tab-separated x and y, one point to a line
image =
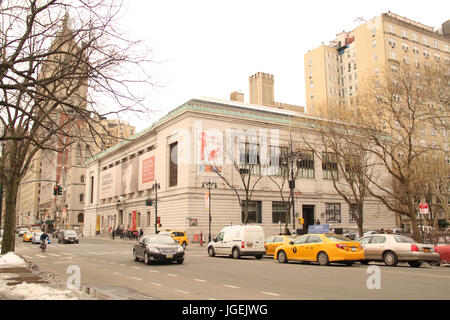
426	250
353	249
169	256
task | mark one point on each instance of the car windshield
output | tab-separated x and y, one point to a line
70	233
337	238
159	240
404	239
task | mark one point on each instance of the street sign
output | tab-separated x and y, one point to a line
424	208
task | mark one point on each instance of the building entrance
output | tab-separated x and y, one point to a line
308	216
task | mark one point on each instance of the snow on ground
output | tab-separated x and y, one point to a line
28	291
11	260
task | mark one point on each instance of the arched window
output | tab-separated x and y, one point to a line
82	179
81	198
80	218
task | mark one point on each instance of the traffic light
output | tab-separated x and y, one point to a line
55	190
59	190
148	202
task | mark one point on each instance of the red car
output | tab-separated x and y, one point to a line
444	252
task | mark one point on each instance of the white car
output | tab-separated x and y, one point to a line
237	241
36	237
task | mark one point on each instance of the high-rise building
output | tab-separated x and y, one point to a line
335	72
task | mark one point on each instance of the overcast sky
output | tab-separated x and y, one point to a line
211	48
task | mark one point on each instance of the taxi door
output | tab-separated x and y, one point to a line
298	249
269	245
312	247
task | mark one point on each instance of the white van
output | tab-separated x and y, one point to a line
237	241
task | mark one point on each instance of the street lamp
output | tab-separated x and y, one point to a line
155	187
209	185
288	159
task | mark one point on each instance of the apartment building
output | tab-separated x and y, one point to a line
335	72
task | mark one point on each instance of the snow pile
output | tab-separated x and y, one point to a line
32	291
11	259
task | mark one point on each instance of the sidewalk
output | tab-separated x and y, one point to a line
22	280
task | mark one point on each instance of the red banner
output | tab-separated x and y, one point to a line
133	220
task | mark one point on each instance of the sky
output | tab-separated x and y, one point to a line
209	48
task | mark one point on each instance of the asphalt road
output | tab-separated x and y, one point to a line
109	266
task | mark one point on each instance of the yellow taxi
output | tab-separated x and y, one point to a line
27	236
273	242
320	248
178	236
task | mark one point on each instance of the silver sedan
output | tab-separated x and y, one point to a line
394	248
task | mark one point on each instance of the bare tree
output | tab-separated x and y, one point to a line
63	66
392	108
343	161
247	164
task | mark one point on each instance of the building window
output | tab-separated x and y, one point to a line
173	164
148	218
329	166
306	164
82	179
280	212
254	212
249	158
352	212
276	166
333	212
80	218
92	189
81	198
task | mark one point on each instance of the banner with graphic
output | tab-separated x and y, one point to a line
146	171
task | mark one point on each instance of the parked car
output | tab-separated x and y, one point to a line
22	231
158	247
273	242
392	248
398	231
178	236
320	248
368	232
27	236
238	241
67	236
352	234
444	253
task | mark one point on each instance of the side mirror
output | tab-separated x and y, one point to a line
215	239
291	242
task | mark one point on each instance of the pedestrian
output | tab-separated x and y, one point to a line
318	221
141	232
113	233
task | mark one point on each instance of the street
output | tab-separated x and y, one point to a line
108	266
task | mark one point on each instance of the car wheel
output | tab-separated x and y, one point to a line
415	264
390	259
259	256
322	259
135	256
349	263
180	261
281	257
364	262
236	253
146	258
211	252
434	263
184	245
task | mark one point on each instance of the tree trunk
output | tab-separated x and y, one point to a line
8	243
